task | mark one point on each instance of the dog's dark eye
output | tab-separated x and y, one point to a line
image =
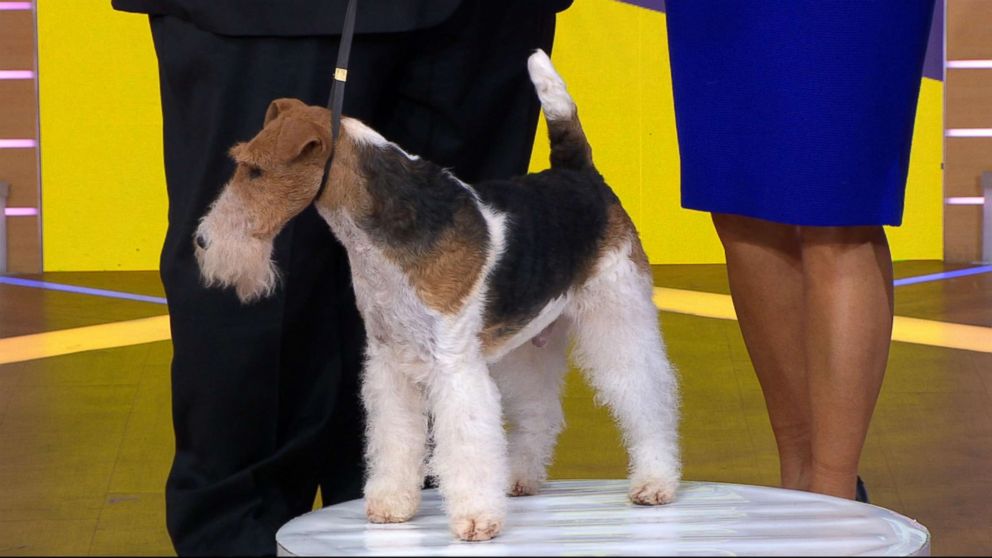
254	172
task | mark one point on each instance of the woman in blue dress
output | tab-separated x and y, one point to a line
795	120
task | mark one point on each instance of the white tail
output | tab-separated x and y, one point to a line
557	103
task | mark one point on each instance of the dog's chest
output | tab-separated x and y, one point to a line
390	307
393	313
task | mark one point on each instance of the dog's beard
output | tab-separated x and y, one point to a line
231	257
245	264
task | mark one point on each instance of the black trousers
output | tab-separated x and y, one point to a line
266	396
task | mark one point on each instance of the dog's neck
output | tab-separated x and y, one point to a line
400	200
343	189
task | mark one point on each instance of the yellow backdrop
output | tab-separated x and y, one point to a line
104	203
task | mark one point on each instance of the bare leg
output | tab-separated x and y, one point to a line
765	269
848	277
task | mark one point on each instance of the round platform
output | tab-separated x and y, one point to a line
595	518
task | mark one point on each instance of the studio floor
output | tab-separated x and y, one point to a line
86	441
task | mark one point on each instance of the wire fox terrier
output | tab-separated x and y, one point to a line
459	286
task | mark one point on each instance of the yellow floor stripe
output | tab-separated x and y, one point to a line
942	334
696	303
76	340
906	330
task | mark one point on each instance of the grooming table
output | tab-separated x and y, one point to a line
595	518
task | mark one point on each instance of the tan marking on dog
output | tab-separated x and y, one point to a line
445	276
620	229
495	335
346	188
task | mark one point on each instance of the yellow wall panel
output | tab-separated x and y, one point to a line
103	185
921	235
104	188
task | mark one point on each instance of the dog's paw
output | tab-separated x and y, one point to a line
392	508
523	487
653	492
477	527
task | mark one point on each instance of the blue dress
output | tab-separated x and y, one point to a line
797	111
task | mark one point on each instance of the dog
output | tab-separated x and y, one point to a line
471	296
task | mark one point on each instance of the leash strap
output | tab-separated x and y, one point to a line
336	99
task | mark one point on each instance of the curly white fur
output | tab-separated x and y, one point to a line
233	257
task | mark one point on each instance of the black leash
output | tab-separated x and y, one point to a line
336	98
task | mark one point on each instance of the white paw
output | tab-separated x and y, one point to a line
480	527
524	487
395	507
653	492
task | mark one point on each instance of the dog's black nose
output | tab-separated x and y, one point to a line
201	242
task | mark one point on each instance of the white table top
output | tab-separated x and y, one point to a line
595	518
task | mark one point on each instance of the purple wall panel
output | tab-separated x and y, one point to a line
657	5
933	65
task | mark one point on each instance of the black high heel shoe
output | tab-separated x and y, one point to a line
860	492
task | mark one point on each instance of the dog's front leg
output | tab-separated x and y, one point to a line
396	436
470	447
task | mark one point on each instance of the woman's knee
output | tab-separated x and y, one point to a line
739	229
832	253
842	237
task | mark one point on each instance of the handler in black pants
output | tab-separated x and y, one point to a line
265	396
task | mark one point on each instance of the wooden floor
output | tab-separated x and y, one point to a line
85	437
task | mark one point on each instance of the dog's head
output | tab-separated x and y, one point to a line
278	175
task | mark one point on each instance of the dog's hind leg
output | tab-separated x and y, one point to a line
396	436
529	380
618	344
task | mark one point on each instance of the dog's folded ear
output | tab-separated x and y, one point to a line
279	106
297	138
